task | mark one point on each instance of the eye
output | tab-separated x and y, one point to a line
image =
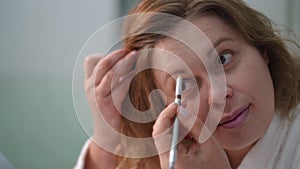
187	84
225	58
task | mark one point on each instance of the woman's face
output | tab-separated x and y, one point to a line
249	100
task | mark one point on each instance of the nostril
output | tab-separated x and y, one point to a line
229	92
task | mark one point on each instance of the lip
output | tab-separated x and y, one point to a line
236	118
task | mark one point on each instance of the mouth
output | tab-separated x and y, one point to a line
235	118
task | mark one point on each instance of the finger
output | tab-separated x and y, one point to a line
200	132
163	145
165	119
107	63
120	91
124	66
90	63
104	88
191	122
164	160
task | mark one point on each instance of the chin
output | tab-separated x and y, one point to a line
238	146
238	140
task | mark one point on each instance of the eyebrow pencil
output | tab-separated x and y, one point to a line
173	151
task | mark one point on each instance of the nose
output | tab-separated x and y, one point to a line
220	96
229	92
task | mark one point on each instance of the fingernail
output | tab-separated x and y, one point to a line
182	111
133	52
172	105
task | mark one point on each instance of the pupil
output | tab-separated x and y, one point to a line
222	59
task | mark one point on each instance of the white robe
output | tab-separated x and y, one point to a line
279	148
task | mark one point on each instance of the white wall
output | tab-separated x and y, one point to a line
295	7
47	35
283	12
40	41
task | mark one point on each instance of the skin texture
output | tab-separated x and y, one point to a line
248	85
98	86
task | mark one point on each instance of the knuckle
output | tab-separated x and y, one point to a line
87	86
88	60
98	95
104	63
100	98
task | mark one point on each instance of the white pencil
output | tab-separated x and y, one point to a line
173	151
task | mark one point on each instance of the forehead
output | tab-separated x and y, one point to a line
197	51
211	28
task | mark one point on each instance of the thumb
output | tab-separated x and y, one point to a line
162	128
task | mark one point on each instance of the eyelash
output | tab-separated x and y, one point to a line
193	82
225	53
184	81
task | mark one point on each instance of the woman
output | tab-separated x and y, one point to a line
258	127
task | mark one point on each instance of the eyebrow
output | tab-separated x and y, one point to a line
175	72
217	43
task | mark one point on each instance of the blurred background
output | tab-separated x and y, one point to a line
39	43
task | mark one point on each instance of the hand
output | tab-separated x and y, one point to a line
190	153
103	77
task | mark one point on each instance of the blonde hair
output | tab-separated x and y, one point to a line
255	28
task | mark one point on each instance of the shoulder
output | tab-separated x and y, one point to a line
81	158
290	150
294	119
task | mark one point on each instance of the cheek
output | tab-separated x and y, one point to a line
263	86
252	78
263	94
197	102
167	87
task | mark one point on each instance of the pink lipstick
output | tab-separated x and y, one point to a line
235	118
